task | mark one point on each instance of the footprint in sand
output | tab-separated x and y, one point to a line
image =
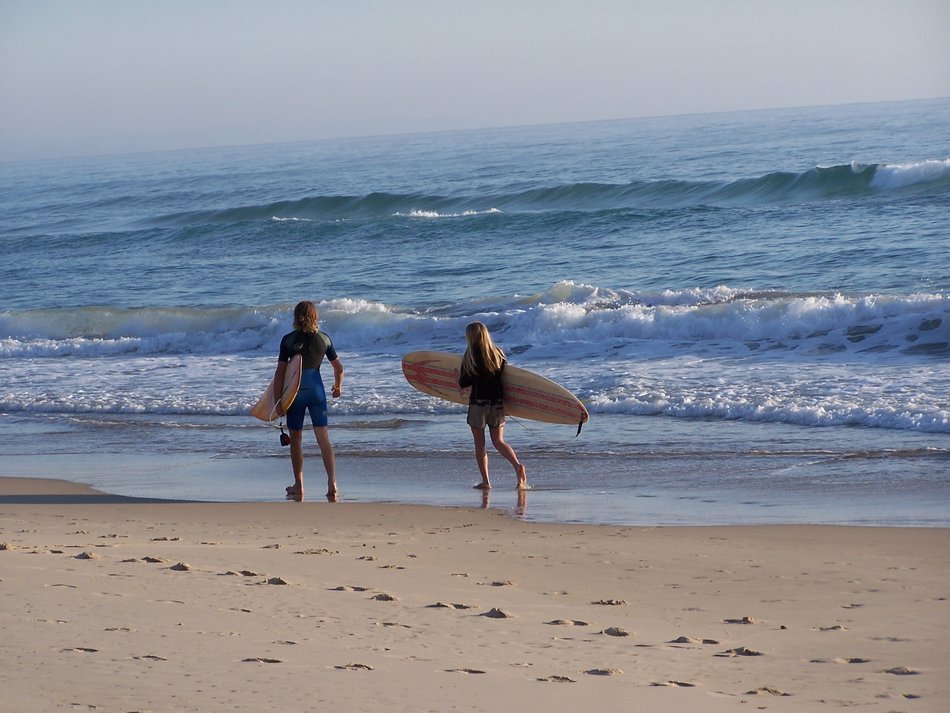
558	679
344	588
740	651
615	631
674	684
385	598
451	605
86	556
499	583
354	667
464	670
261	659
693	641
610	602
181	567
766	691
495	613
604	671
567	622
743	620
154	560
901	671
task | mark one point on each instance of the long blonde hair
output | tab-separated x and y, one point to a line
306	316
481	351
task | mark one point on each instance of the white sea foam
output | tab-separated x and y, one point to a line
872	360
908	174
437	214
568	316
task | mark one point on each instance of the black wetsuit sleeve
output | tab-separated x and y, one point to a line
285	347
330	352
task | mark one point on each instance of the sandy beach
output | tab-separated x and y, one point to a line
115	604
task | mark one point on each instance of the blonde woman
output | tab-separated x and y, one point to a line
313	345
482	367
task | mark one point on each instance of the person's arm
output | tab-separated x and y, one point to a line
337	377
279	386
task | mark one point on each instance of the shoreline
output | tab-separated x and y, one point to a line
615	490
369	606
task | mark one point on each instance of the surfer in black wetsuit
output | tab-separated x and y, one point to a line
482	367
312	345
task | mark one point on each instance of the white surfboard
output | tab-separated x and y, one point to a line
266	408
527	395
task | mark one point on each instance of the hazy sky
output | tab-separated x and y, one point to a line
106	76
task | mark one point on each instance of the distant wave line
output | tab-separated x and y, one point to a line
854	180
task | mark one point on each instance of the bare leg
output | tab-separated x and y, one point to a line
481	457
498	440
296	461
329	461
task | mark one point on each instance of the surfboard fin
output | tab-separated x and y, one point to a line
580	425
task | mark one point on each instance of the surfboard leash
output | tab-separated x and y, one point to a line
580	425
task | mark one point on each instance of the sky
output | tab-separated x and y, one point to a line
86	77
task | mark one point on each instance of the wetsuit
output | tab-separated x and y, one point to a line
312	347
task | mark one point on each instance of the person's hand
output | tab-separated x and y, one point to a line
337	391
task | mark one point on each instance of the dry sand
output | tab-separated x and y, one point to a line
111	604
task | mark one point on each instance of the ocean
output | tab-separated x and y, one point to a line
754	306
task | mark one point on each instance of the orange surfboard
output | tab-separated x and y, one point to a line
266	408
527	395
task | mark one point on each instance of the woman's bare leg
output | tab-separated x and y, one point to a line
481	457
498	440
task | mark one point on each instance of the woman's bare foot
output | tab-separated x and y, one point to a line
522	473
294	490
482	486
